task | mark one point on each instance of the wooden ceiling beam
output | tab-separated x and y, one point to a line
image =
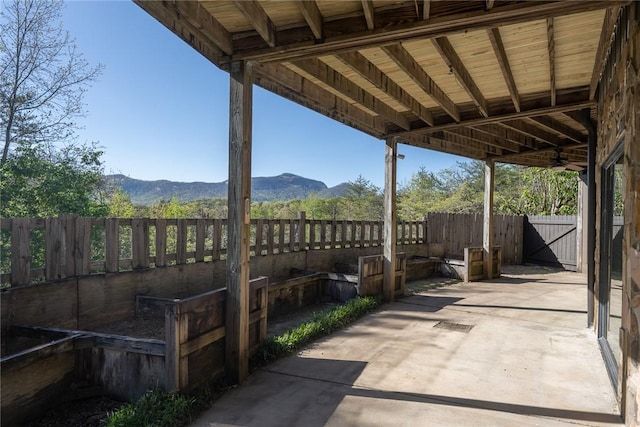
426	9
453	61
345	37
485	138
533	131
375	76
551	48
369	13
290	85
559	128
503	61
312	15
539	151
577	117
439	144
525	112
405	61
201	19
489	4
337	81
510	135
259	19
604	44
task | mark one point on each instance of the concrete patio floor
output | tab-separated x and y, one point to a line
507	352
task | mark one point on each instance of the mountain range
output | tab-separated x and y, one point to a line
283	187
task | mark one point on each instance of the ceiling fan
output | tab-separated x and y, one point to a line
560	163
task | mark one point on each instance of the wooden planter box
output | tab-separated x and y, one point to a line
37	378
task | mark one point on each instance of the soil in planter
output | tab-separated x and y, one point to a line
137	327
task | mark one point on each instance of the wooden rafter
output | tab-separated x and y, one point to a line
503	61
337	81
559	128
346	38
551	44
373	74
426	9
259	19
606	38
284	82
453	61
409	65
507	134
539	151
533	131
485	138
312	15
525	112
369	13
472	150
203	20
578	117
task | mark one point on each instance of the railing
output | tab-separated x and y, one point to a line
46	249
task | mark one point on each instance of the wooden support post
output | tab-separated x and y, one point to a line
239	203
302	230
487	226
390	227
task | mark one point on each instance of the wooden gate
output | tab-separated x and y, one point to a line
550	240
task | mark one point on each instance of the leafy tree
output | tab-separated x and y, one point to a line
169	209
119	204
423	191
33	185
362	201
547	192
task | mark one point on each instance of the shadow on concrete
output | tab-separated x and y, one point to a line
489	405
510	307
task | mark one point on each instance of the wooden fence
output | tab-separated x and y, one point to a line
458	231
47	249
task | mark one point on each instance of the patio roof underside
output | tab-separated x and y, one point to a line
503	80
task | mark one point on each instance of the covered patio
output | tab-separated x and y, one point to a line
511	351
534	83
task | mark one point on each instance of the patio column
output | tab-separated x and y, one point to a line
487	225
390	218
239	203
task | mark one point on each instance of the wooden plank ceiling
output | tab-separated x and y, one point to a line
512	81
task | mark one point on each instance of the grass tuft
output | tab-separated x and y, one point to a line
323	323
157	408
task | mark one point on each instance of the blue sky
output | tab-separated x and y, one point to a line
160	111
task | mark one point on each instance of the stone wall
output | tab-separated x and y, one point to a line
619	120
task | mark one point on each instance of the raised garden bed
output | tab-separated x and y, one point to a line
124	367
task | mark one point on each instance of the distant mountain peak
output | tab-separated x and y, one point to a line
286	186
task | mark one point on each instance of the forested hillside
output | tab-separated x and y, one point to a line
282	187
518	190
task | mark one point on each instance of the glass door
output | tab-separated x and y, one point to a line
610	282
